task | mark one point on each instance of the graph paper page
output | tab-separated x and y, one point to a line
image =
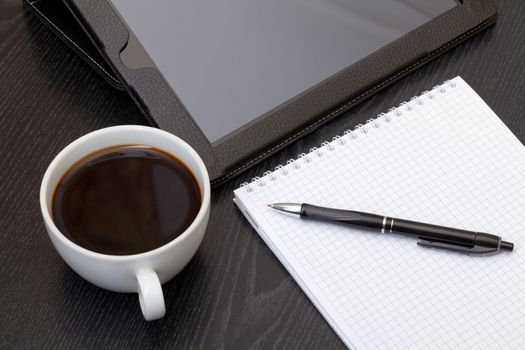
443	158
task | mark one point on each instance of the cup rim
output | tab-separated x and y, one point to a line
205	203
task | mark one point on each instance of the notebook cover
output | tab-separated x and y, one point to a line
297	117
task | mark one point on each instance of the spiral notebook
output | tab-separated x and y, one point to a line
444	157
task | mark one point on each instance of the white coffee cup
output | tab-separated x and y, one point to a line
140	273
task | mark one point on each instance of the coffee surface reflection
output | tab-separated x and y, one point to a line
126	200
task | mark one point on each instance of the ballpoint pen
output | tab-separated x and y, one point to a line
432	236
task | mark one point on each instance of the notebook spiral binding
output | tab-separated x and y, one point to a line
341	140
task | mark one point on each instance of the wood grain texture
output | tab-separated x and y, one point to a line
234	294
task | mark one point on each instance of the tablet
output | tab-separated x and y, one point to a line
240	79
232	61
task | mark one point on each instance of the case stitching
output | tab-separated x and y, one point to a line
346	105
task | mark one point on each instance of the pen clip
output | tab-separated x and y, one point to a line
475	249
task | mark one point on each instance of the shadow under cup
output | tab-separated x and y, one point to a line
145	272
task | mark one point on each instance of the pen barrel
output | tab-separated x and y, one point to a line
343	216
432	235
440	233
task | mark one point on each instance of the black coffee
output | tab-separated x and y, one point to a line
126	200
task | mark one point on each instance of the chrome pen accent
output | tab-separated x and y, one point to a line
383	225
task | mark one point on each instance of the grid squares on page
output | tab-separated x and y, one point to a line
388	292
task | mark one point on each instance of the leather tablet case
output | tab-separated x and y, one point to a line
295	118
57	17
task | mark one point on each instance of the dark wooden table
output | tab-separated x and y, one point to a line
234	294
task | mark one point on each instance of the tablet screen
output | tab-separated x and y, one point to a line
232	61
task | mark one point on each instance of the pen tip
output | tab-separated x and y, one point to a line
293	208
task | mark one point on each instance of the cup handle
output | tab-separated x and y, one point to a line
151	298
